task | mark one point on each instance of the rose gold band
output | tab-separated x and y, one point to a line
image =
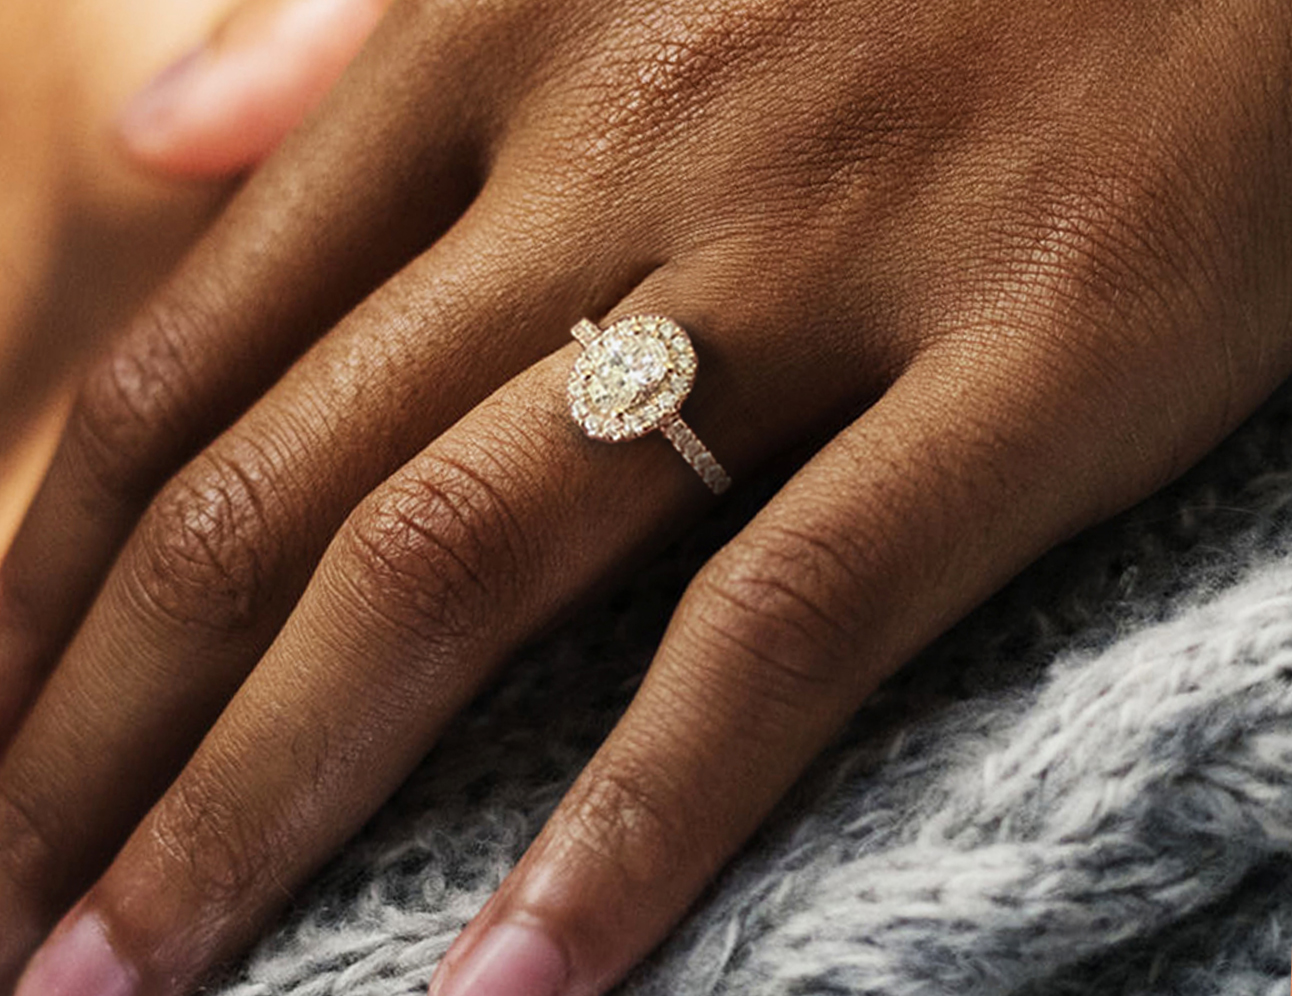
695	453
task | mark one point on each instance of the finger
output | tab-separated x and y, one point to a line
434	578
292	254
222	554
226	105
927	504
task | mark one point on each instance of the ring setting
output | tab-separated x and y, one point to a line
631	379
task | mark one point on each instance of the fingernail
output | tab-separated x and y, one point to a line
78	961
225	106
154	108
511	960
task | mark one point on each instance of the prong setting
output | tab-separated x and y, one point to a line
631	377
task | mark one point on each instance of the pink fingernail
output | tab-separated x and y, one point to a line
154	107
78	961
511	960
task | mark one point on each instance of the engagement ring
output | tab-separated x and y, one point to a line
632	378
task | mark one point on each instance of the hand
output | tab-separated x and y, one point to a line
1024	264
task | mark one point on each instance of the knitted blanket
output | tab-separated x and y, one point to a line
1085	788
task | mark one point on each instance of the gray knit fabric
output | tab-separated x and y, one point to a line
1085	788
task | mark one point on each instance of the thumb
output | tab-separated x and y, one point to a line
225	105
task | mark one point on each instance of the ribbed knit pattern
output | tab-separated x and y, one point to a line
1084	790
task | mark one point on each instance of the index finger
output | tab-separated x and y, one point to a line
294	251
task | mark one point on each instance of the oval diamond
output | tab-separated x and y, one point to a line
630	377
624	368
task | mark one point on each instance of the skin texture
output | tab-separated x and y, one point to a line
1018	266
99	204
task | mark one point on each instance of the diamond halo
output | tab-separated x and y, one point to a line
631	377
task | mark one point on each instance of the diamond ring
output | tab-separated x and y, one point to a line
632	378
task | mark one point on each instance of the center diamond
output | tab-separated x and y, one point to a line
625	368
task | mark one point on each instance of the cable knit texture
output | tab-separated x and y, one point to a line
1085	789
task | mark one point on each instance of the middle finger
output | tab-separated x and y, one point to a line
225	549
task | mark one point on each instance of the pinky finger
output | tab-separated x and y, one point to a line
895	529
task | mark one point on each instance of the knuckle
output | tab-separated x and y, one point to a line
434	550
208	551
662	68
1102	276
28	846
205	844
622	817
1091	249
128	409
786	605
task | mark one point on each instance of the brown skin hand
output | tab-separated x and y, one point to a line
326	478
